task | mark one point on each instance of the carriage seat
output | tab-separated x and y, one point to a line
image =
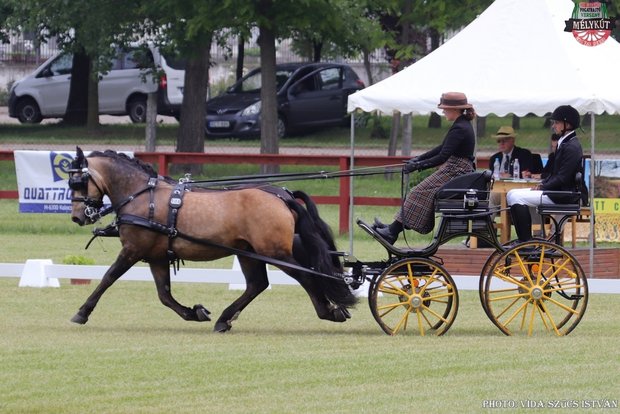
571	207
466	194
561	212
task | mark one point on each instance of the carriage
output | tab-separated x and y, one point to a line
523	288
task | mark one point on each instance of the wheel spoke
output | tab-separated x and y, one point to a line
414	288
550	280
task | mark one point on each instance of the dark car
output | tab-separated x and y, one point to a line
309	95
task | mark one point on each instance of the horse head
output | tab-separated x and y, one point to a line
86	200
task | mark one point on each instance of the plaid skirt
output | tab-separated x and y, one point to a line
418	210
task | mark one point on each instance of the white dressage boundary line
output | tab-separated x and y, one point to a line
44	273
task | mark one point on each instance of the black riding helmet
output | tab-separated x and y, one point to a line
568	114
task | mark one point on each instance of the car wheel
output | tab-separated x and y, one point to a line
281	128
28	111
136	109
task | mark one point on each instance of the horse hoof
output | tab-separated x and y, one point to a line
341	314
77	318
222	327
202	313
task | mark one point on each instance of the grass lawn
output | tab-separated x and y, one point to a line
136	356
532	135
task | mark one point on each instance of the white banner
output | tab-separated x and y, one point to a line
42	180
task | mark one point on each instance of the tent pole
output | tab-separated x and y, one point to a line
591	195
351	178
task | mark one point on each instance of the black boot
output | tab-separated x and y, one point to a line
388	233
522	221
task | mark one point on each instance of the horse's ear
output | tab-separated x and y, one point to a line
80	159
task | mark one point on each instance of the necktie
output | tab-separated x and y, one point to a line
506	166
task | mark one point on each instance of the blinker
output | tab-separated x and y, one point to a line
79	182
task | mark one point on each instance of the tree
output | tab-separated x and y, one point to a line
188	30
284	19
85	28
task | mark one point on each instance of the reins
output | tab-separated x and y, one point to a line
286	177
175	203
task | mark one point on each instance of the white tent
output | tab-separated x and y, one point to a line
514	58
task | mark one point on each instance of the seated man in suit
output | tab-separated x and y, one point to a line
508	152
568	161
506	155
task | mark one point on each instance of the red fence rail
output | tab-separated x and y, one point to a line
163	160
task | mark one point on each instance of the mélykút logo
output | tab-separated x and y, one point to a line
61	164
589	23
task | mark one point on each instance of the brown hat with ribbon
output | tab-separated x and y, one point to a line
454	100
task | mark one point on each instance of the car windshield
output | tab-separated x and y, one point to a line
253	82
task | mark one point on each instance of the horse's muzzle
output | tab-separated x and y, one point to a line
77	220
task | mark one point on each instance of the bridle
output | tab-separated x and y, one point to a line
79	177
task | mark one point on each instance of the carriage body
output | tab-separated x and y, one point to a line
523	288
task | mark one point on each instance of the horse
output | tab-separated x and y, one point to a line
161	222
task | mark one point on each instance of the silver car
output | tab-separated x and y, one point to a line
122	91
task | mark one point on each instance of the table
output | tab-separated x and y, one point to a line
502	186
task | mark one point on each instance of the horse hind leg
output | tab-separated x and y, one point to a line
315	287
161	275
256	280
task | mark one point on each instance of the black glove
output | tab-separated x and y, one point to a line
412	165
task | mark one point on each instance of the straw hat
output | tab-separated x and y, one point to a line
454	100
505	132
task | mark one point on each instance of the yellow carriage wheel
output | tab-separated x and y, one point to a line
414	296
535	287
481	285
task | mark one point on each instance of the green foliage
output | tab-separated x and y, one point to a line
78	260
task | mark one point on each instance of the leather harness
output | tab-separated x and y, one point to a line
175	203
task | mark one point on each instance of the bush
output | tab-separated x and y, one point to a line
77	260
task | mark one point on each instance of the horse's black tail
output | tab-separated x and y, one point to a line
322	228
317	243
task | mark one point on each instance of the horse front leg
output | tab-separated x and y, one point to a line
161	274
122	264
256	280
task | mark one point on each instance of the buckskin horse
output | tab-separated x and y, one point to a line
161	222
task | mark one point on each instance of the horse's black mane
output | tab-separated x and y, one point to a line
119	156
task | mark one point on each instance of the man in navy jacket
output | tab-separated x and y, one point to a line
568	161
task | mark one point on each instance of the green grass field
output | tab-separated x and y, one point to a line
136	356
532	134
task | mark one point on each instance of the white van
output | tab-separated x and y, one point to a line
122	91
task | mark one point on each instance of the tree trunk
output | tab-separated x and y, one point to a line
151	122
481	126
77	105
394	132
92	115
434	120
317	48
516	122
407	132
269	110
191	135
368	67
240	57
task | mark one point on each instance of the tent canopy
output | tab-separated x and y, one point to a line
514	58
